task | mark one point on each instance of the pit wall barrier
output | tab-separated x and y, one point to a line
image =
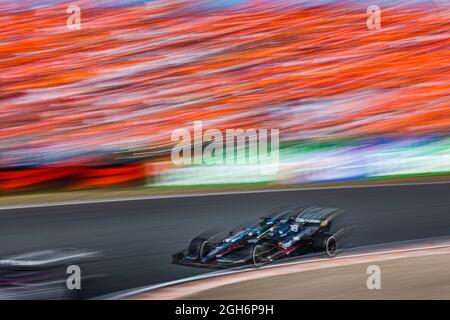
298	163
324	162
72	177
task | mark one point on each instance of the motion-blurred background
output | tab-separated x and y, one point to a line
95	107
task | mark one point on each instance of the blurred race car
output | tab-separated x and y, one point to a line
40	274
289	232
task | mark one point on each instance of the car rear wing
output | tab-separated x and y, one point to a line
317	215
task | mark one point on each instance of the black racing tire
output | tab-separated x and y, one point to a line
331	246
197	247
257	252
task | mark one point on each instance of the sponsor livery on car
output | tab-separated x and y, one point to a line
288	232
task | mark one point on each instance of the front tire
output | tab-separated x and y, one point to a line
260	254
256	255
197	247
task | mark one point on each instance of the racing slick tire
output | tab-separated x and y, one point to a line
258	253
331	246
197	247
326	243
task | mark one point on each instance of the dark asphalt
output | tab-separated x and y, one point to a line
138	237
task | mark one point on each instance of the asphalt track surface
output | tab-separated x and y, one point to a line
138	237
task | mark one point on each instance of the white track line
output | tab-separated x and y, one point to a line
445	243
205	194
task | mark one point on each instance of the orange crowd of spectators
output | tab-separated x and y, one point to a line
131	75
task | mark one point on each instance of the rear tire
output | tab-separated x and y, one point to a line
326	243
331	246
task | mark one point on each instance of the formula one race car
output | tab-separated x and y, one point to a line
41	274
288	232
